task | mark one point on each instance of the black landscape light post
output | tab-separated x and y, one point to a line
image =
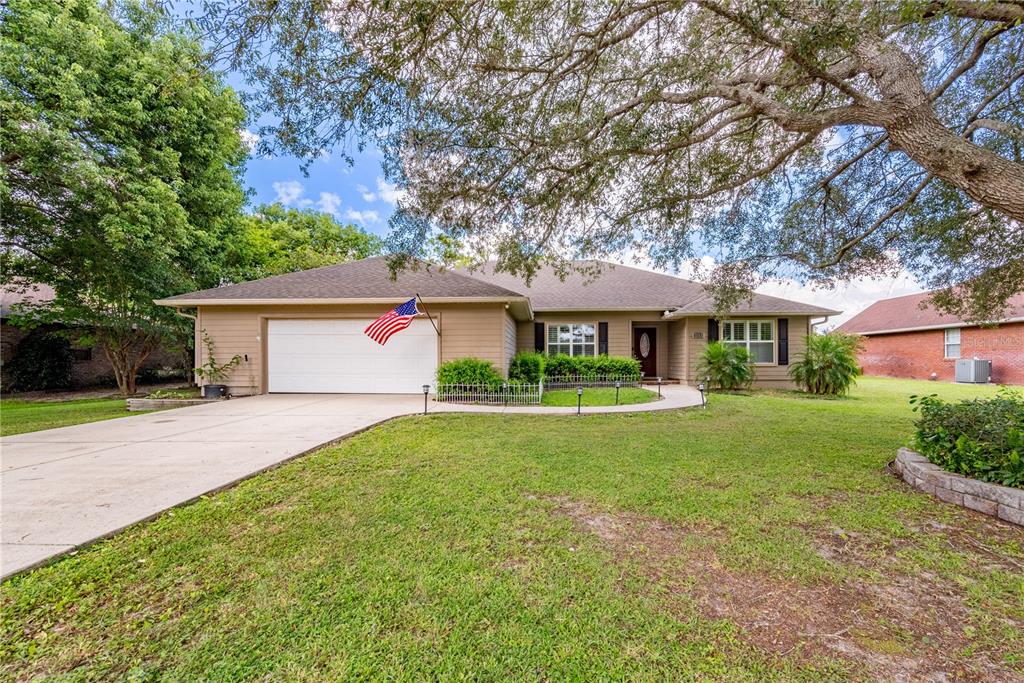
618	385
579	399
701	387
426	390
659	387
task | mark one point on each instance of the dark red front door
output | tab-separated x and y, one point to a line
645	349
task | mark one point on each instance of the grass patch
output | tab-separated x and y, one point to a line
668	545
598	397
18	416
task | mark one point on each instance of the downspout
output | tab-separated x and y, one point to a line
820	322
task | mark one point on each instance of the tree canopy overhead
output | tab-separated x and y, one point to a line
822	140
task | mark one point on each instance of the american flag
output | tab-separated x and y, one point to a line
395	320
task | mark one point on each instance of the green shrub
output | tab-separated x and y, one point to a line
42	361
527	366
829	364
729	367
983	438
468	371
561	365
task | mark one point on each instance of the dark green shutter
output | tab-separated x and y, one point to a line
602	338
538	337
783	341
712	330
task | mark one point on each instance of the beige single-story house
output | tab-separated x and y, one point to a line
303	331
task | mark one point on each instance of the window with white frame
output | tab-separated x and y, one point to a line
953	342
575	339
756	336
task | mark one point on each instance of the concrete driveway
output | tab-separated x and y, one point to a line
62	488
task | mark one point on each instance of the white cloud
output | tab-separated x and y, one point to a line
389	192
366	194
289	192
363	217
249	139
329	203
385	192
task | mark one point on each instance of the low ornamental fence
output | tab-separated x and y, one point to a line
513	394
592	381
520	394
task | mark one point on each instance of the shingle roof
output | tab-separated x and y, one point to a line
365	279
12	294
612	287
623	287
906	313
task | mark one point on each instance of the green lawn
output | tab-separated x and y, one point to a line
17	416
761	539
598	397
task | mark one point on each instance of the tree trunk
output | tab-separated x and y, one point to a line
913	128
126	356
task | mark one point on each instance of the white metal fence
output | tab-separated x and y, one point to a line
592	381
518	394
513	394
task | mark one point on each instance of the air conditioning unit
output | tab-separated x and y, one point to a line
973	371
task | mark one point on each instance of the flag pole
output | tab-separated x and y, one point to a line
427	311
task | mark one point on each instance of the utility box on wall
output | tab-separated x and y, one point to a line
973	371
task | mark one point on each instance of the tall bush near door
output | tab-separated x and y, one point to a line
729	367
828	366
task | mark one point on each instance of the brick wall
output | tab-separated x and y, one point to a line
917	355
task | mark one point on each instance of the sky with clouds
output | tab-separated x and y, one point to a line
358	193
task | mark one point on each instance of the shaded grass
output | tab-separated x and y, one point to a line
598	397
427	549
18	416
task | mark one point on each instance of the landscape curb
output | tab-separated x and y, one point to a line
998	501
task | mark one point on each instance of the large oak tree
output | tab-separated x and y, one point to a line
821	140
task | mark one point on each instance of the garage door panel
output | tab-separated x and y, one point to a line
334	356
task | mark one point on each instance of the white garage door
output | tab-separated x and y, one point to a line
334	356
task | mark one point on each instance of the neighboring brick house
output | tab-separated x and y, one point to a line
906	338
90	366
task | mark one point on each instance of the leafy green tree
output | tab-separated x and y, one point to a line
728	367
276	240
120	179
818	140
828	366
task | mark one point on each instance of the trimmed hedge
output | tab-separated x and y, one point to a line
527	366
561	365
468	371
983	438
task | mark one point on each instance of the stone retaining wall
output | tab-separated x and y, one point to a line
992	499
163	403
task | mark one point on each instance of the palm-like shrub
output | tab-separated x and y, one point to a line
829	365
729	367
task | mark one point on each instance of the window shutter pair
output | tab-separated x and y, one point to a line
712	330
602	338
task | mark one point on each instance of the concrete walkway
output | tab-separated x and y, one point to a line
64	488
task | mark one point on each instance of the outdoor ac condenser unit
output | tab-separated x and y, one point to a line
973	371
